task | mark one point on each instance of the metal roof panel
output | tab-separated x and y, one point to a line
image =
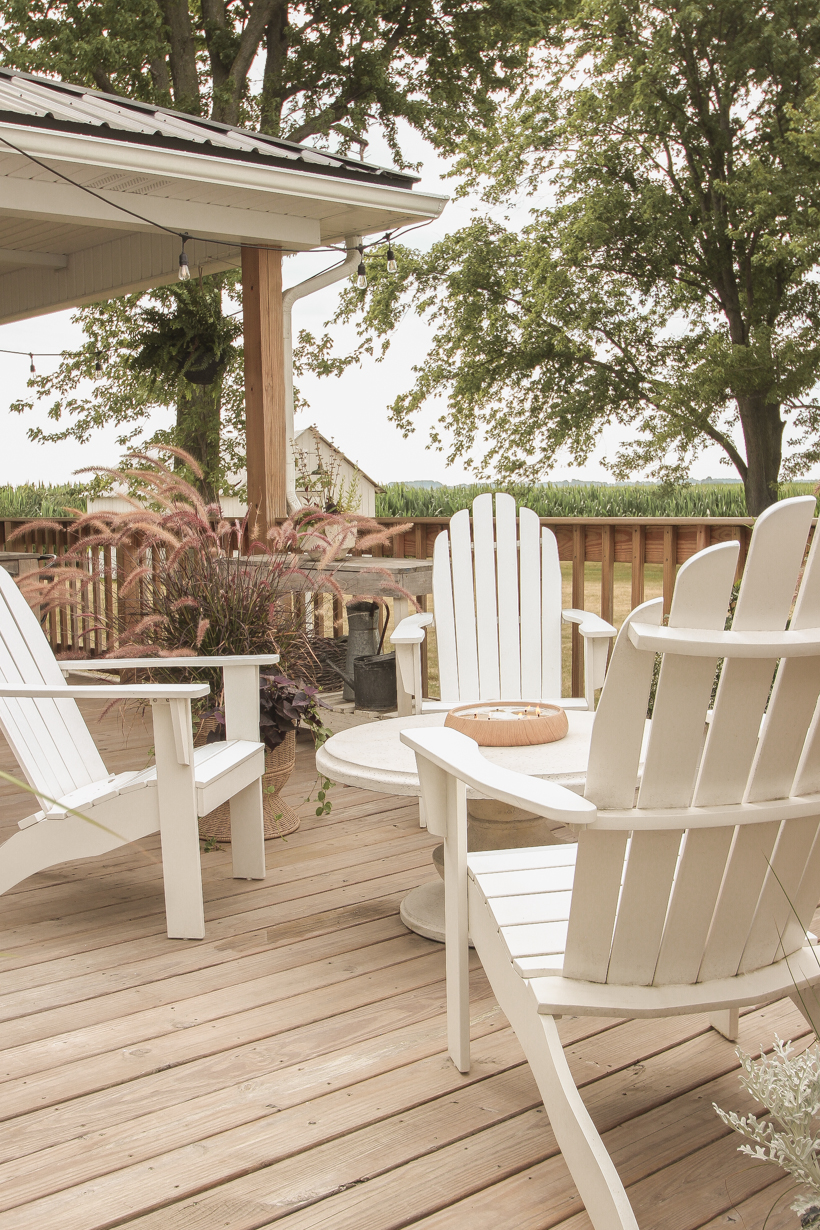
41	99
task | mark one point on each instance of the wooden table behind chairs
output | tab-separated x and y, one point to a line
19	563
359	575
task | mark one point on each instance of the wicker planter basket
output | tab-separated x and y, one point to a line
280	818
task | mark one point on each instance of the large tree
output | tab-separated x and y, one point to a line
669	283
316	69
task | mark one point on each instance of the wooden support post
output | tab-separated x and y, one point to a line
670	562
578	560
703	538
338	616
638	562
265	425
318	614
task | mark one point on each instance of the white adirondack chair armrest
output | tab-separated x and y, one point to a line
106	691
411	629
114	664
707	643
458	755
590	625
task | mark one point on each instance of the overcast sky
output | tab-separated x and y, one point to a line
350	410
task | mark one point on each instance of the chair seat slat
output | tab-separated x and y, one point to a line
461	557
596	890
445	619
697	884
766	941
746	870
486	606
529	570
509	632
550	616
642	908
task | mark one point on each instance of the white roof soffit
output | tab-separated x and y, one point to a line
61	247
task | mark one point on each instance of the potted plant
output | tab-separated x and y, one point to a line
179	589
284	706
788	1085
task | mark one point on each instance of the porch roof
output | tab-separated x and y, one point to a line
76	165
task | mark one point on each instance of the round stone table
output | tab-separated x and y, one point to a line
373	757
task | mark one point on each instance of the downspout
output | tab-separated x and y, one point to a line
289	297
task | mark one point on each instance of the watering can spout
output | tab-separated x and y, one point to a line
348	678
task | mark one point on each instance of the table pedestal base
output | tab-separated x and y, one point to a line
422	911
491	825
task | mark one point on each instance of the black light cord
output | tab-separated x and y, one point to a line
181	235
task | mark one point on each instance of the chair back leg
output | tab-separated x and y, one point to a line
248	833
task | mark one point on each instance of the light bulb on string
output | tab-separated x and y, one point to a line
184	269
97	364
392	264
361	272
32	369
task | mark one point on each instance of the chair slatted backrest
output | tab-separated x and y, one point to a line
497	600
48	737
665	902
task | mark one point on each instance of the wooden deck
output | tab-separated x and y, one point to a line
290	1069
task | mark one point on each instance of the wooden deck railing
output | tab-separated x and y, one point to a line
636	541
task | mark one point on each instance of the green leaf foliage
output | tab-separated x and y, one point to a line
665	277
150	348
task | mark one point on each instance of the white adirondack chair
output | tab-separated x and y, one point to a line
45	729
694	896
497	604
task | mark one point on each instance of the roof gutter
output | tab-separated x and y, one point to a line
318	282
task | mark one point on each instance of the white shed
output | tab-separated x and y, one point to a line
336	474
317	455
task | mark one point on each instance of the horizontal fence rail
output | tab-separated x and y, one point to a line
607	541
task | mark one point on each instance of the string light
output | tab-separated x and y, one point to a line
32	369
225	243
392	264
184	270
361	272
97	364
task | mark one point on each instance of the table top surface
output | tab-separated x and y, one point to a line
373	757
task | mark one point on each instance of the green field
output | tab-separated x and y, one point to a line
39	500
698	500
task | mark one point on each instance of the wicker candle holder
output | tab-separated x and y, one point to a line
509	723
280	817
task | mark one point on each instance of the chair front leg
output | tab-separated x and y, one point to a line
457	955
247	815
178	821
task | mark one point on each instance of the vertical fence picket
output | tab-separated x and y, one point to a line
607	572
670	562
638	564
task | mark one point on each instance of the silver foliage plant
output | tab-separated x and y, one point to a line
788	1085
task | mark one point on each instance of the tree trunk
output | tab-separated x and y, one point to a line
763	436
197	431
182	55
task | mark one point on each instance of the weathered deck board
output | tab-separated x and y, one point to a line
290	1070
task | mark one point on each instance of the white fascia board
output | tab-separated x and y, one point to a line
205	169
62	203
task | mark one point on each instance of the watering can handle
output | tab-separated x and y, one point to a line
384	629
